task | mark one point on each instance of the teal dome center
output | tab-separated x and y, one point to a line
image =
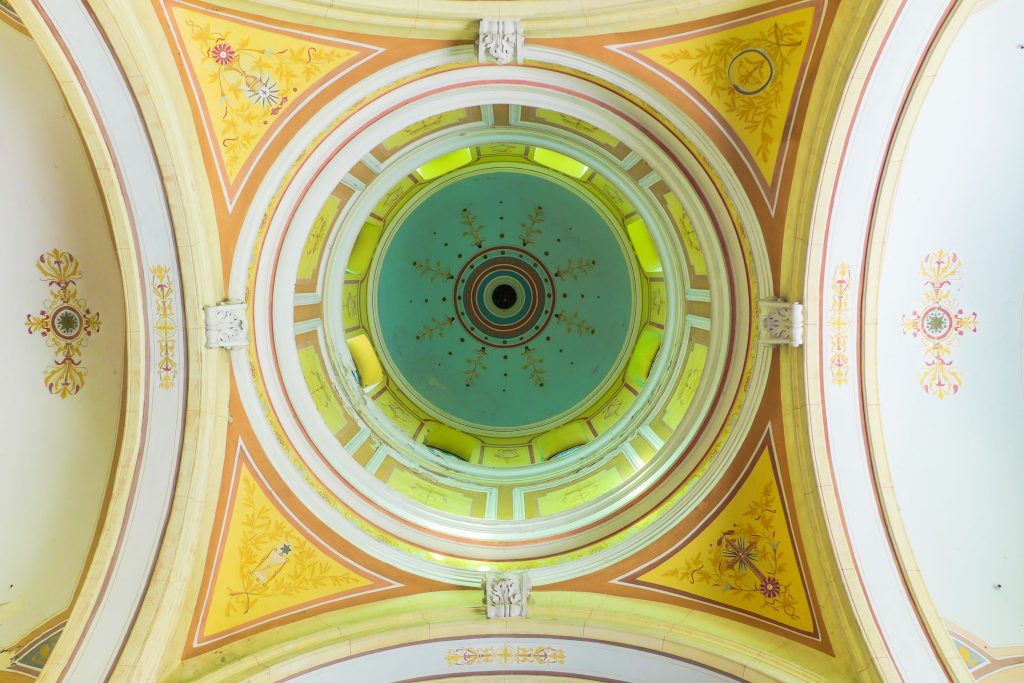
504	301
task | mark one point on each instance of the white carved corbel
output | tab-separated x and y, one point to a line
226	325
506	593
781	322
500	40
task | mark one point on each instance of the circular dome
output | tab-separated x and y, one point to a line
503	302
625	289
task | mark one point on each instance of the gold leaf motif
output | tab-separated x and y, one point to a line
940	323
532	364
839	325
506	654
744	75
165	327
65	323
530	228
476	366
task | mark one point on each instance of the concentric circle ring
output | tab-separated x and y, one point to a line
520	322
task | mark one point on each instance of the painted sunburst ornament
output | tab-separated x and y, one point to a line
940	323
65	322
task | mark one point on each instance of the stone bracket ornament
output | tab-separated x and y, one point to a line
500	40
226	325
781	322
506	594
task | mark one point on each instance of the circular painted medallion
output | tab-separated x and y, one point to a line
504	301
936	323
504	296
67	322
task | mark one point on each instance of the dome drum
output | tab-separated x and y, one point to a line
535	479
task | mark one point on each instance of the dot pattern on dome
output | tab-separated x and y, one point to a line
504	300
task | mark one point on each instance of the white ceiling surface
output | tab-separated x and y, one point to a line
56	454
958	463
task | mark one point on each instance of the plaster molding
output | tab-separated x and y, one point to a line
501	41
227	325
506	594
781	323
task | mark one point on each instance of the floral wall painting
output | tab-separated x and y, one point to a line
65	322
247	77
162	286
268	565
747	73
939	323
744	558
839	325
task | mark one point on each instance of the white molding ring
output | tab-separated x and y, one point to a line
294	242
423	563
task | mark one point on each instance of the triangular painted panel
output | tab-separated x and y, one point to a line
267	564
248	78
746	73
743	558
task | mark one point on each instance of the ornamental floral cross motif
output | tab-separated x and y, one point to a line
64	322
747	559
939	323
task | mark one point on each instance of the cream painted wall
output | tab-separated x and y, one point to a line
56	454
958	463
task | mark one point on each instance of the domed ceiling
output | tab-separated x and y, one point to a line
522	292
499	367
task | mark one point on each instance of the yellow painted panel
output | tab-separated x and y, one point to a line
689	236
505	456
610	412
398	413
639	366
748	72
396	196
643	245
561	438
413	486
313	250
327	405
608	189
502	149
351	312
425	127
362	250
643	448
687	387
745	558
247	78
559	162
577	493
267	565
365	357
445	164
659	302
582	127
451	440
